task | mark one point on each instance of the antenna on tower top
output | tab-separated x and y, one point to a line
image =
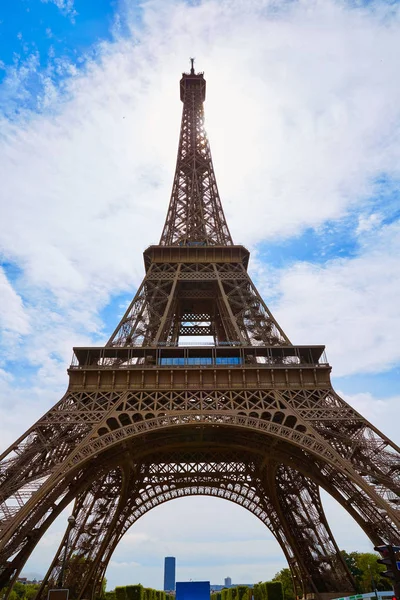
192	66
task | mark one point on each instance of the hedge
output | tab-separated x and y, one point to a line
267	590
138	592
120	593
134	592
274	590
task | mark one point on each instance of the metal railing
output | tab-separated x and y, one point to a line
232	356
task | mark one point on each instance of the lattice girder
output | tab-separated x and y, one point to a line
195	214
233	476
299	506
188	412
94	511
14	554
233	302
270	412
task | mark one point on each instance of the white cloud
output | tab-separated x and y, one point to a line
383	413
303	132
22	404
368	222
350	304
13	316
65	6
122	564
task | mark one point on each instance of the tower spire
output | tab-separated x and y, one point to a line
195	215
196	281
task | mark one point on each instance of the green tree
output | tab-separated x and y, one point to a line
351	562
31	589
366	571
19	589
285	577
371	570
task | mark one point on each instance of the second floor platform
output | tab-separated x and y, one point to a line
194	356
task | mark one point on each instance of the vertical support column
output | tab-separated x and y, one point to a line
94	511
231	324
161	332
300	510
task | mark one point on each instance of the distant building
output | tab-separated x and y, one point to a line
215	587
26	581
169	573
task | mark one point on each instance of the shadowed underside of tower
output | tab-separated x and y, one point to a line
242	414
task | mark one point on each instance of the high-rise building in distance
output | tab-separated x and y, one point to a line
228	582
169	573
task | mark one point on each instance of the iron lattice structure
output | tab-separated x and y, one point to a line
250	417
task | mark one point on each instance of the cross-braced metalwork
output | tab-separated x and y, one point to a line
246	416
195	214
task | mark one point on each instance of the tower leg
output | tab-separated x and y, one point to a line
298	503
94	512
26	539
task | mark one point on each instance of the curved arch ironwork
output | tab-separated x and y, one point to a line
235	477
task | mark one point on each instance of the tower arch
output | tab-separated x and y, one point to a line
226	474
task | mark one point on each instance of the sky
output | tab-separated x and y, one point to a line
303	117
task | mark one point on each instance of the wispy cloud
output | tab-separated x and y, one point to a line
66	7
123	564
349	304
13	316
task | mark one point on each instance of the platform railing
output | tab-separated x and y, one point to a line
199	356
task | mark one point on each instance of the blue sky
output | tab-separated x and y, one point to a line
54	29
39	26
303	112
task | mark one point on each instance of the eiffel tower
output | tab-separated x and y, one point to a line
147	418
